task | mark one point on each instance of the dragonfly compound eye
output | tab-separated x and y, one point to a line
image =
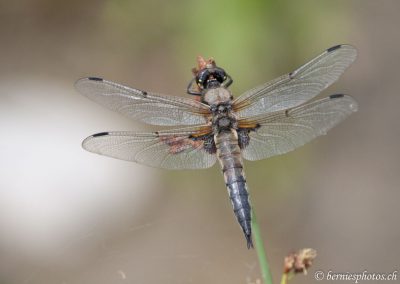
202	78
219	74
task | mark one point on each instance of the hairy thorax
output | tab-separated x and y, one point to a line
216	96
220	101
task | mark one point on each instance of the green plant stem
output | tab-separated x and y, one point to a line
284	278
262	257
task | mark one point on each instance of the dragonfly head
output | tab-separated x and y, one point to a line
210	77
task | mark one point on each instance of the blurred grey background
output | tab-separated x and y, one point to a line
69	216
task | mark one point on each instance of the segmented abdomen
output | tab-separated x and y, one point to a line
229	156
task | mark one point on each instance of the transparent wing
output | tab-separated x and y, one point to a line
148	107
296	87
171	149
280	132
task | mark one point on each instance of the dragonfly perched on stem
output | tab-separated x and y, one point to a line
271	119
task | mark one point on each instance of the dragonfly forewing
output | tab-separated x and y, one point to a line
151	108
298	86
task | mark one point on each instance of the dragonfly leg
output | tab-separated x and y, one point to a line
227	82
190	89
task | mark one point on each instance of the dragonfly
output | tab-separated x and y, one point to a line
268	120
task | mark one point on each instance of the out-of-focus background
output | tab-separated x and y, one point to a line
69	216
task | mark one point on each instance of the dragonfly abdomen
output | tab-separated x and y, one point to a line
229	156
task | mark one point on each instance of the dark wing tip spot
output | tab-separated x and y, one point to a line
100	134
95	79
144	93
334	48
336	96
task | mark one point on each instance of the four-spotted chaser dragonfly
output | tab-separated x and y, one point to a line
269	120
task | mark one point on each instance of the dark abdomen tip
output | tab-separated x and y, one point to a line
249	241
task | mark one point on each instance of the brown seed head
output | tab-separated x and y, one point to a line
300	261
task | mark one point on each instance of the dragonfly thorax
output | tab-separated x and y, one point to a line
216	96
223	119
